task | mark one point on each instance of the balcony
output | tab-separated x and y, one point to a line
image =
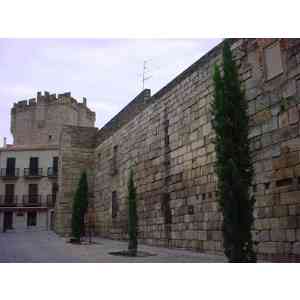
52	172
9	173
8	200
51	199
32	200
33	173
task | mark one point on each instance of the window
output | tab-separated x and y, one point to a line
114	204
10	166
273	61
31	218
167	138
166	209
55	165
114	169
115	152
33	166
99	159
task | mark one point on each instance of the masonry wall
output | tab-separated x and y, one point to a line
76	155
169	144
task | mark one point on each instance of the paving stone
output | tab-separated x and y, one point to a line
46	247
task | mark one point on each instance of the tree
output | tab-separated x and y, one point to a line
80	205
233	161
132	217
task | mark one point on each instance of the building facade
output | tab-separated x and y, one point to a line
29	167
167	139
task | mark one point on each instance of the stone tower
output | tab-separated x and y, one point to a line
40	120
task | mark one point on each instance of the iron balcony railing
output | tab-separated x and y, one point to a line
32	200
9	173
51	199
33	172
8	200
52	172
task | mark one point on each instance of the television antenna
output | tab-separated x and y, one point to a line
145	70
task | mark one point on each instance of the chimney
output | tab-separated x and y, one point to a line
4	142
84	101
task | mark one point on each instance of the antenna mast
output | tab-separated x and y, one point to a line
145	78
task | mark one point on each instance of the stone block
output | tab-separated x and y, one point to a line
276	151
291	235
280	211
263	236
267	247
283	119
255	131
293	115
277	235
262	116
202	235
293	158
296	248
262	102
290	197
289	222
279	162
282	173
266	139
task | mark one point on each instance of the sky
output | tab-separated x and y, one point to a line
108	72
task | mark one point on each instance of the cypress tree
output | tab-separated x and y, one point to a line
132	217
80	205
233	161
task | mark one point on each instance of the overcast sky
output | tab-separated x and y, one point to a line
108	72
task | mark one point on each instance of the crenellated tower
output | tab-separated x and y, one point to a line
40	120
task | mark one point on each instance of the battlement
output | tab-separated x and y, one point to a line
41	119
48	99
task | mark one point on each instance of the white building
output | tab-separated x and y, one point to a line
29	167
28	187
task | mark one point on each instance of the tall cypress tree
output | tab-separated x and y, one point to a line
132	216
233	161
80	205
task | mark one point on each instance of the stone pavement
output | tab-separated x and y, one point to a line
46	247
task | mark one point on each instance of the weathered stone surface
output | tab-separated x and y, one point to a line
40	120
168	140
293	115
283	119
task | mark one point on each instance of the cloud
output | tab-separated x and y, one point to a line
106	71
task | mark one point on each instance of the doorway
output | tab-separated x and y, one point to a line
52	220
9	194
7	220
10	166
34	166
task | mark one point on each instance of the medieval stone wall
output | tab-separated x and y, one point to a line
169	145
76	155
40	120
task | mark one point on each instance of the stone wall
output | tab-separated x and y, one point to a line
169	145
76	155
40	120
